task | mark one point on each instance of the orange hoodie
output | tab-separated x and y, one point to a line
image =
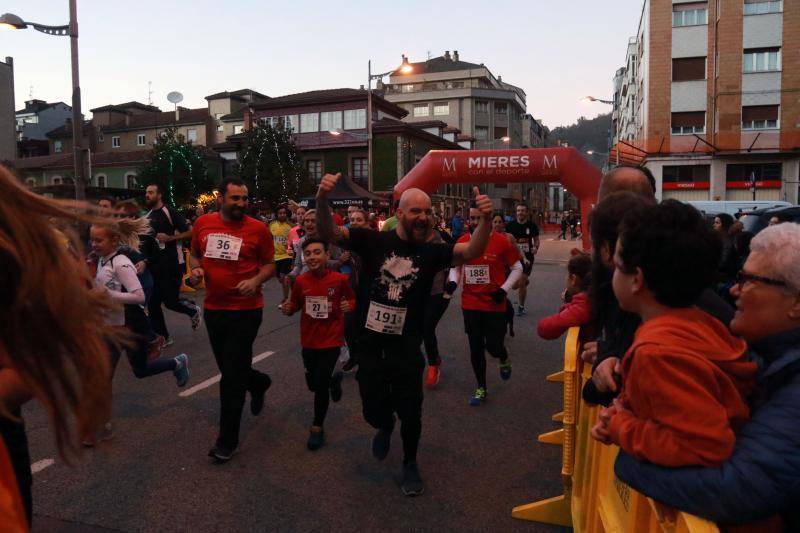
685	380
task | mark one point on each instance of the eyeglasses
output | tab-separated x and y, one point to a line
743	277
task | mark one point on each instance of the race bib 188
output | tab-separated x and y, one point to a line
317	306
223	246
386	319
476	274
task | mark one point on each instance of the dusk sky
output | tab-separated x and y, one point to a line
556	51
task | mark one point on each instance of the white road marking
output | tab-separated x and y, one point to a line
210	381
38	466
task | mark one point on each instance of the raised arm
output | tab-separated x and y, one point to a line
326	229
476	245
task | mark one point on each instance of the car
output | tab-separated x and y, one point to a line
755	221
733	207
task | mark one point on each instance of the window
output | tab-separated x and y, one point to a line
693	14
56	181
130	181
686	174
101	181
689	68
140	140
115	142
360	169
237	129
441	108
760	117
762	60
330	120
355	119
761	172
314	167
481	133
309	122
407	88
291	122
220	126
100	137
481	107
57	146
499	133
688	123
191	135
421	110
454	85
30	182
500	109
760	7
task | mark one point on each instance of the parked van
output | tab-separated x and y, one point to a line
735	206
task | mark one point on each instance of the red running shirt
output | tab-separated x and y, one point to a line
319	299
231	252
484	275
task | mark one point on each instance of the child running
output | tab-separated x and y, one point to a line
324	297
576	310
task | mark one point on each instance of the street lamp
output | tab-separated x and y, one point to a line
593	99
339	131
11	21
405	68
594	152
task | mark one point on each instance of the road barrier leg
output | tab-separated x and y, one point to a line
554	510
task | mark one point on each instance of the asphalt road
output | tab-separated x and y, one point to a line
477	463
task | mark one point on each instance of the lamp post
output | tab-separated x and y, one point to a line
405	68
593	99
12	21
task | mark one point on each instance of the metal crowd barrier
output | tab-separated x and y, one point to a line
594	499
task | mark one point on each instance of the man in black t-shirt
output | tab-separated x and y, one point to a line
526	233
166	263
395	278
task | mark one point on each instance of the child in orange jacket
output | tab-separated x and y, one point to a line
685	378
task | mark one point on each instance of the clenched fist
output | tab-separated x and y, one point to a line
327	184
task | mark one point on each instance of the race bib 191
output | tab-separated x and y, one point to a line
386	319
223	246
476	274
317	306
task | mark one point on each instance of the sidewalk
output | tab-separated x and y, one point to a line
553	251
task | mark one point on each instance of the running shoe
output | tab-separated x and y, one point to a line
181	371
521	310
103	435
168	342
432	378
350	365
257	399
478	398
381	443
222	453
505	370
197	317
336	386
316	438
412	482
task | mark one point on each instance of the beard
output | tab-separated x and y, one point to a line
234	212
150	203
416	231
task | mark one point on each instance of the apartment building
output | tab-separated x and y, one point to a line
227	109
708	99
38	118
8	148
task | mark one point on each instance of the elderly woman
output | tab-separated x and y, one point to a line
762	478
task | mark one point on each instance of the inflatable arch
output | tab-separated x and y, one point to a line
565	165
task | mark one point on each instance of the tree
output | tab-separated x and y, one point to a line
177	167
270	166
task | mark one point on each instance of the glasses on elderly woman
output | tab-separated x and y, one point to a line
743	277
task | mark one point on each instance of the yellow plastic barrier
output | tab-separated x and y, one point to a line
594	500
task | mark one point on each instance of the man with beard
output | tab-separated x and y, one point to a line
395	278
235	254
169	228
526	233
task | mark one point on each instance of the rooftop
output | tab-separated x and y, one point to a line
254	95
37	106
329	96
126	107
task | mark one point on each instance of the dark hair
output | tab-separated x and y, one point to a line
521	204
741	243
109	199
156	185
726	220
285	207
315	240
675	249
499	214
223	185
581	266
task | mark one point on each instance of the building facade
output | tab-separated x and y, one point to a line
38	118
8	145
707	99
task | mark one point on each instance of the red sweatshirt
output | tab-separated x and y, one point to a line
576	313
320	299
685	379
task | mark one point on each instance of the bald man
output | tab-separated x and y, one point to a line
637	180
395	278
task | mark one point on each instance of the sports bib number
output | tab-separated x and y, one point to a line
386	319
222	246
477	274
317	306
280	240
524	247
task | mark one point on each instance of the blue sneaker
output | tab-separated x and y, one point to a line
478	398
505	370
181	371
521	310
